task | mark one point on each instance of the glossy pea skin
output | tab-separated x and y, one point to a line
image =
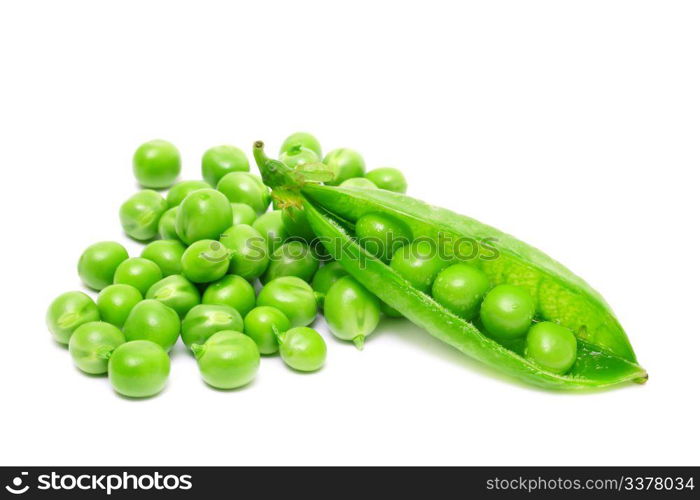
348	163
176	292
260	325
551	346
507	312
419	263
243	187
138	272
91	345
156	164
303	349
205	261
351	311
140	214
98	263
154	321
221	160
227	360
388	178
167	254
296	225
67	312
180	191
461	289
248	251
303	140
358	182
291	295
325	277
381	235
166	225
203	215
139	369
233	291
294	258
298	156
242	214
115	302
205	320
271	226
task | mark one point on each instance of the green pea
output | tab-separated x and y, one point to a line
98	262
461	289
352	312
303	349
388	178
138	272
242	214
91	345
381	235
296	225
154	321
419	263
233	291
205	261
271	226
358	182
139	369
166	225
203	215
221	160
227	360
205	320
156	164
325	277
67	312
248	251
291	295
242	187
349	164
180	191
167	254
115	302
260	325
176	292
140	214
551	346
297	156
301	139
294	258
507	312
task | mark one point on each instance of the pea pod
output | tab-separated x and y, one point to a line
604	357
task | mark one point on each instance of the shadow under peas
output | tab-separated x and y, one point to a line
418	337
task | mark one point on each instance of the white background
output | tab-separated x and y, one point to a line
572	125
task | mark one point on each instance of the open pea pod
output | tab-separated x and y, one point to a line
604	357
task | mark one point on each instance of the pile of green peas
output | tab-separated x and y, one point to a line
219	270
